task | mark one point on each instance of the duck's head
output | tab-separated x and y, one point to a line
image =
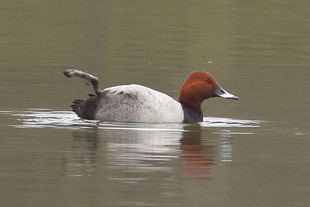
199	86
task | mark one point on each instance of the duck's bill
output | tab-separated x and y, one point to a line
220	92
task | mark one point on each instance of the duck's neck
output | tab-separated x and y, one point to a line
191	116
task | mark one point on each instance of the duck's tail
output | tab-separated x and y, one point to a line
90	78
86	109
76	107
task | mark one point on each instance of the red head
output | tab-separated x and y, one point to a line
197	87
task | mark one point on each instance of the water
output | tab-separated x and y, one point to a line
251	152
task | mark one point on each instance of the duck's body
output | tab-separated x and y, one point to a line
136	103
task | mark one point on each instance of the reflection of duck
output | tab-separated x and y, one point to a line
125	147
136	103
197	158
139	148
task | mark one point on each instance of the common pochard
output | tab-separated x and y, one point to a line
136	103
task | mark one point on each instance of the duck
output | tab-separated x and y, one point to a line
137	103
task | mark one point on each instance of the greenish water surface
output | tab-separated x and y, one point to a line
251	152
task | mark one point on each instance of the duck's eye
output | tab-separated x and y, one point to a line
207	80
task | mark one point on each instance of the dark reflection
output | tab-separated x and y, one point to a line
90	136
197	159
81	155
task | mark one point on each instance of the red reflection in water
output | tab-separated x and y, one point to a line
197	159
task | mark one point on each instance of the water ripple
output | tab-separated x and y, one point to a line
46	118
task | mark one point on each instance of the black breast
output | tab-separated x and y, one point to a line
191	116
